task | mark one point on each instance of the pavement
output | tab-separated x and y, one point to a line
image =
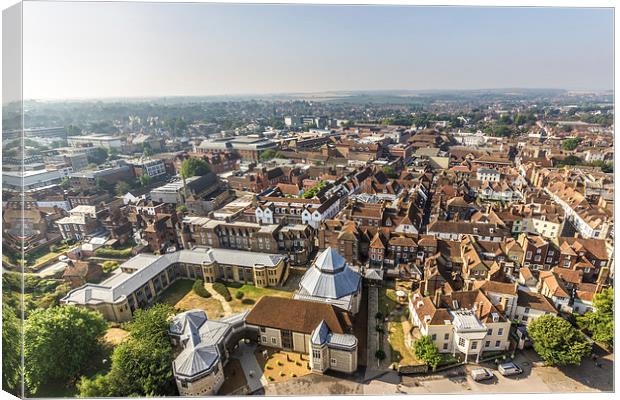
225	306
536	378
251	369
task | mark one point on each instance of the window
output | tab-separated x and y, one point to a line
490	331
333	362
487	343
445	346
446	336
500	332
497	343
527	310
474	345
262	329
274	340
316	354
434	337
264	339
461	342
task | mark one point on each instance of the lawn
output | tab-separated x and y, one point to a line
387	300
115	336
280	366
400	353
181	296
251	294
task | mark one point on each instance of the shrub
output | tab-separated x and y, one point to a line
199	289
223	290
294	375
270	378
113	253
379	315
380	355
109	266
269	367
248	301
239	295
280	363
282	373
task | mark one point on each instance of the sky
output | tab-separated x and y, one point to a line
98	50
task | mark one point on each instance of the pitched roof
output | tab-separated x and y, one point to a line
535	301
297	315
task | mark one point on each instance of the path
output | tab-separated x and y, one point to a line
251	369
374	366
225	306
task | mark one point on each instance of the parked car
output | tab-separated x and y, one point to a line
63	258
509	368
481	374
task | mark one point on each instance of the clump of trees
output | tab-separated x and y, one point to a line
557	342
270	154
571	144
425	350
314	190
142	364
59	344
600	323
11	351
390	172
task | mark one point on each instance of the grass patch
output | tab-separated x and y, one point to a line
180	295
400	353
251	295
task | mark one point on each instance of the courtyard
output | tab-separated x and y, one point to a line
280	366
181	296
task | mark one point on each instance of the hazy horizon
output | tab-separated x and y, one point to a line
82	51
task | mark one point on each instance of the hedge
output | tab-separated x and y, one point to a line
199	289
223	290
112	253
239	295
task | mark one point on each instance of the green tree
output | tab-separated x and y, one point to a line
99	386
97	156
102	184
557	342
192	167
144	180
425	350
600	323
11	350
390	172
59	344
571	143
122	188
200	290
65	183
571	160
142	364
268	155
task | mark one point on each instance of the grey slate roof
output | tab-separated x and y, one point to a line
330	277
148	266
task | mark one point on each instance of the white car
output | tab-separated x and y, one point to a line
63	258
509	368
481	374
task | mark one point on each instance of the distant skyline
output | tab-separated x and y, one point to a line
102	50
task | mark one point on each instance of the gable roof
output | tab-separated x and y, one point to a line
297	315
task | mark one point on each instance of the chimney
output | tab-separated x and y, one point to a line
438	293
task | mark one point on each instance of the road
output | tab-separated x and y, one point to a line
535	379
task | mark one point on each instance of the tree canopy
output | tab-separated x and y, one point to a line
571	143
142	364
557	342
194	167
97	156
426	351
600	323
11	350
59	343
